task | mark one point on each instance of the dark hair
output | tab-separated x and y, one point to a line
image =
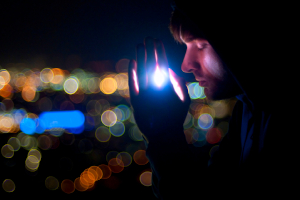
182	25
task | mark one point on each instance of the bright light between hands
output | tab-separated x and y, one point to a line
159	77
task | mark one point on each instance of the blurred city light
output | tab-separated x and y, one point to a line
42	110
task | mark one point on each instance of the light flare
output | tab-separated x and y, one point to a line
176	85
135	81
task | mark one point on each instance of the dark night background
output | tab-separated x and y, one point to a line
95	30
91	31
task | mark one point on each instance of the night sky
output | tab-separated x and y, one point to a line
94	30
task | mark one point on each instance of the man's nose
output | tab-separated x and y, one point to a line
189	63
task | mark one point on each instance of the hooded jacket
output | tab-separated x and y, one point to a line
258	153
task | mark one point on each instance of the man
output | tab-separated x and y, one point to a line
232	51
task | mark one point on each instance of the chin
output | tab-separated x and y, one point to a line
217	95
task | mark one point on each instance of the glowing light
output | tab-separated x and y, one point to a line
117	129
140	158
29	142
108	85
125	158
159	77
72	120
28	93
28	126
213	135
51	183
106	171
58	76
146	178
6	91
196	91
44	142
102	134
116	165
122	81
6	123
96	171
205	121
8	185
176	85
122	65
135	80
67	186
36	153
7	151
32	163
79	185
71	85
46	75
93	85
4	77
15	143
109	118
87	179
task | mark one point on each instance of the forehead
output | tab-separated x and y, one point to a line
186	36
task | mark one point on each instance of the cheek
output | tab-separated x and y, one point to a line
213	65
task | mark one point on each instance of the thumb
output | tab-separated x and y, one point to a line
179	86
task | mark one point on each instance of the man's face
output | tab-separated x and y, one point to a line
202	60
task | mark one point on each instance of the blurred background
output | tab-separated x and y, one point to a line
57	56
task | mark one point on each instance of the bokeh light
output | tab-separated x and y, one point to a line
44	142
58	76
108	85
146	178
14	143
46	75
140	158
106	171
102	134
28	126
51	183
109	118
116	165
125	157
67	186
102	96
4	77
205	121
8	185
117	129
32	163
7	151
71	85
213	135
195	91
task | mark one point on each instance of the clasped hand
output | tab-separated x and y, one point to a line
159	98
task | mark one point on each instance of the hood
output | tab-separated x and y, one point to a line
252	41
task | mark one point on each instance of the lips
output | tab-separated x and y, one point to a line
203	83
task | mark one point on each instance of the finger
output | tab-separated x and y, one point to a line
150	55
141	66
179	87
161	55
133	79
